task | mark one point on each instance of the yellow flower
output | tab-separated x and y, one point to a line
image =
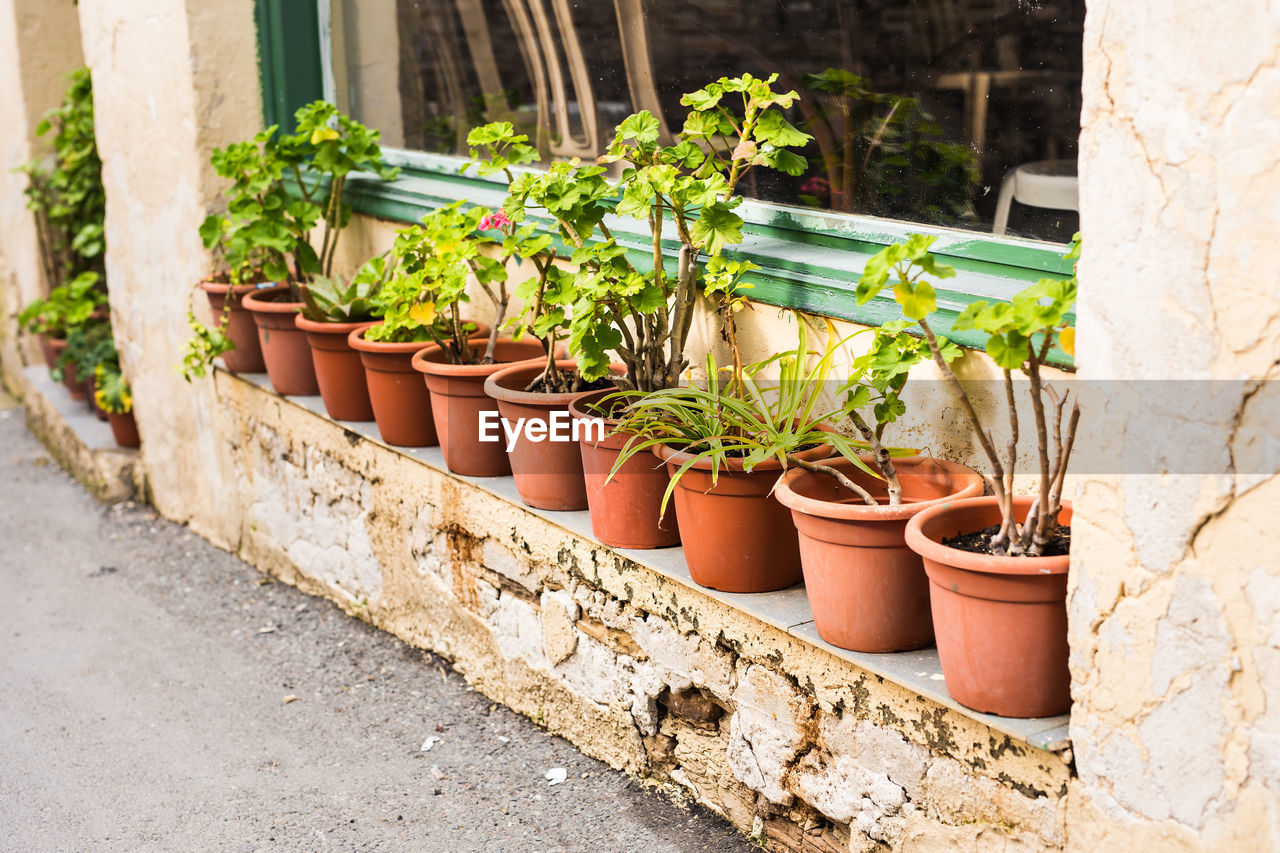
424	313
323	134
1067	340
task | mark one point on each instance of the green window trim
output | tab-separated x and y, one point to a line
810	260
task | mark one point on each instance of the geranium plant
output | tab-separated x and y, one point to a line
65	191
644	312
334	300
1020	336
67	306
282	187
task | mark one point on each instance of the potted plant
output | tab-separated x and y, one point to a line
726	441
64	192
88	345
867	590
332	310
998	564
418	305
644	313
264	237
116	399
69	306
455	367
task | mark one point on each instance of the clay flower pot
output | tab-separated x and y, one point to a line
243	332
625	510
548	472
339	371
51	348
124	429
458	402
91	388
868	591
737	537
401	404
1001	621
284	346
73	382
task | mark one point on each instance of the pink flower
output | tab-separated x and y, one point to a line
494	220
815	186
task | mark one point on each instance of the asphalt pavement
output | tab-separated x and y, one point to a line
157	693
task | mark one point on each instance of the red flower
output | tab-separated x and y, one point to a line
494	220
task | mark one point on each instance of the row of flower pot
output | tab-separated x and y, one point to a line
124	429
878	578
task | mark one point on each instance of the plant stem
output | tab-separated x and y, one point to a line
819	468
883	460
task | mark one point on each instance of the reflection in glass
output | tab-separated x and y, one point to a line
921	111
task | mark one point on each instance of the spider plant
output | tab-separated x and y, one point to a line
748	418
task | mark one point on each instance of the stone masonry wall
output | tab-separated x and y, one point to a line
651	675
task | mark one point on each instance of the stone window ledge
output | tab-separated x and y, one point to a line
787	610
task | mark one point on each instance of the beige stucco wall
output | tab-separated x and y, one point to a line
1175	603
173	80
39	45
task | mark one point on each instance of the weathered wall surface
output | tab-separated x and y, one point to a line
1175	606
651	675
39	45
173	80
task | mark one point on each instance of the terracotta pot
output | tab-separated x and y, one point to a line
284	346
51	348
124	428
548	472
868	591
339	371
91	388
401	404
73	382
458	402
736	535
1001	621
626	511
243	332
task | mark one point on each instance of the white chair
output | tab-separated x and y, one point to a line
1050	184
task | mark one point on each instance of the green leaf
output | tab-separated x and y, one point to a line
642	127
917	300
716	227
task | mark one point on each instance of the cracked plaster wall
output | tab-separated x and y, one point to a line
1173	603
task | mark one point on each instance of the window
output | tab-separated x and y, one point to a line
919	110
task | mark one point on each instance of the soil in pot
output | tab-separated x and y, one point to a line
868	591
460	405
284	346
399	397
736	536
625	509
544	455
241	329
1001	622
339	370
124	429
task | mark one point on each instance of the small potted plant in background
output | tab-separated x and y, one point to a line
64	193
116	399
67	310
867	590
998	564
264	236
88	345
418	306
332	310
456	367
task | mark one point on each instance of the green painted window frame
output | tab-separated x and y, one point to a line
810	260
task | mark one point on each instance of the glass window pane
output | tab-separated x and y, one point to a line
921	111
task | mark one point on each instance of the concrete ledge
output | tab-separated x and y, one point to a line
81	444
730	696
